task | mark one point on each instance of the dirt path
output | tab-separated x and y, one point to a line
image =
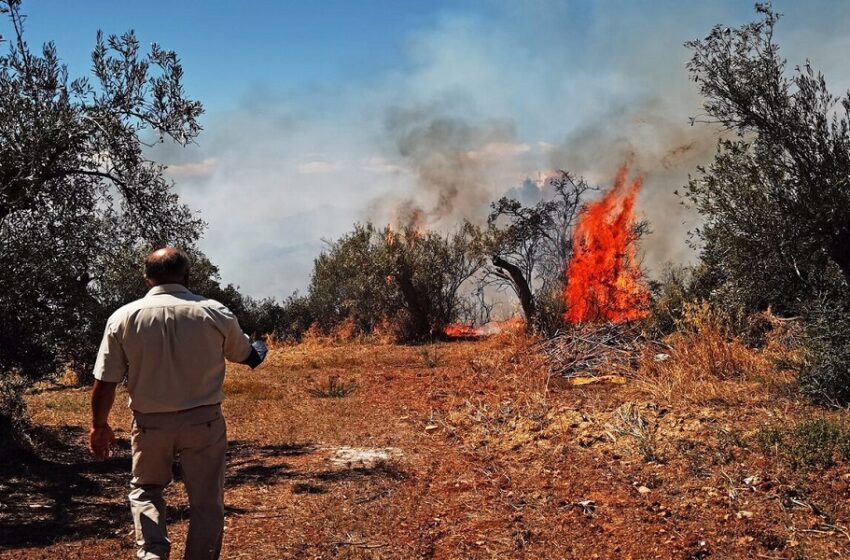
460	450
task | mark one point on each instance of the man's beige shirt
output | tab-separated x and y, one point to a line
171	346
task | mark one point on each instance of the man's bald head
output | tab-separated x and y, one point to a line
168	265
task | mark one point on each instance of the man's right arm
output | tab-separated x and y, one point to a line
237	346
109	370
258	354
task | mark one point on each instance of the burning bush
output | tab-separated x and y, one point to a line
604	282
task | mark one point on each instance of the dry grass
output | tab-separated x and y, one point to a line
702	357
485	455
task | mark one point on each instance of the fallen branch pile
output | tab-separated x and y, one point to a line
590	350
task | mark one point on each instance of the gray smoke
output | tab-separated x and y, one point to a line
449	158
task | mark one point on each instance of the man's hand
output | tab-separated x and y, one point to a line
257	355
101	437
101	440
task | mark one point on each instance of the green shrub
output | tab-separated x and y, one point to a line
825	375
769	439
14	421
670	295
815	442
810	442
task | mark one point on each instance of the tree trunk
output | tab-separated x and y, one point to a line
526	298
421	324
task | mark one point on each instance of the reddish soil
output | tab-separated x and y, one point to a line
488	457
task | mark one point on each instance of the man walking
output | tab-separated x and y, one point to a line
171	346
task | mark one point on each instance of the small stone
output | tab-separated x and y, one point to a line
643	490
743	514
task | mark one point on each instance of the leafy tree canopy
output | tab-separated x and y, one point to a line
776	198
76	189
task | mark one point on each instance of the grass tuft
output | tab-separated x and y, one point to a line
333	389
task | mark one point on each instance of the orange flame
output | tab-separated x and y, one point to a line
460	330
468	330
604	282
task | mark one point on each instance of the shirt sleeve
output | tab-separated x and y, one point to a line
111	363
237	345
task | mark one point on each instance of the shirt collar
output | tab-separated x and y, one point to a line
168	289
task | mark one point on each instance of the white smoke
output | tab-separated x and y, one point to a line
486	98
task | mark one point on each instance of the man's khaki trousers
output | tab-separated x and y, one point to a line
199	437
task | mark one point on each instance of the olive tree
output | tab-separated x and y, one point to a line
76	189
531	246
409	278
776	198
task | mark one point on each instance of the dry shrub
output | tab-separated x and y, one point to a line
704	357
384	331
504	426
628	421
345	330
313	336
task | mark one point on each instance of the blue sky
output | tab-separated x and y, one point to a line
323	113
232	49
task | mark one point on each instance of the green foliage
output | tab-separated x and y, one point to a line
815	442
825	376
670	297
775	199
428	270
350	281
76	189
13	418
811	442
408	278
77	192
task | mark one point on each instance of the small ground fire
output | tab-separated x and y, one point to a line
604	282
